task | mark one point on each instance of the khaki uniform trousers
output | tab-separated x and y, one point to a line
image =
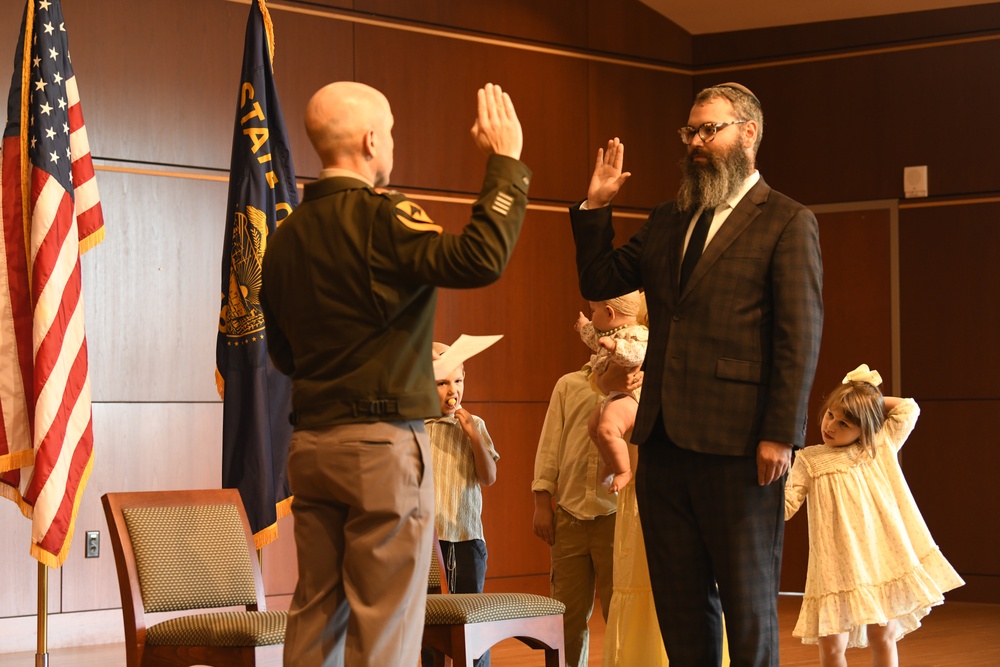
364	514
584	551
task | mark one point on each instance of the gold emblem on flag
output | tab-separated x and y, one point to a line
241	312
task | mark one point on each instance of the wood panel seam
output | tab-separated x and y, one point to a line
190	174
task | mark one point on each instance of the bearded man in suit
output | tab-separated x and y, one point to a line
733	280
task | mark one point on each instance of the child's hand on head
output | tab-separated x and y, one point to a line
581	321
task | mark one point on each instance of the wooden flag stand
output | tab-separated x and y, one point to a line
42	651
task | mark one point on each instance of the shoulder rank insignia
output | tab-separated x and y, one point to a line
414	217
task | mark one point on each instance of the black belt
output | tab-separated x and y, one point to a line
362	409
380	406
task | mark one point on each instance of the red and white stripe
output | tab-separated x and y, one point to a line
54	388
90	218
63	439
16	449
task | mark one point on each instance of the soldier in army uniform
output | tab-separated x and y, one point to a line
349	294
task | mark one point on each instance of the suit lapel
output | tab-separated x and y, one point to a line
747	209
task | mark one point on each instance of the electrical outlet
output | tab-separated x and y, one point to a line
93	548
915	181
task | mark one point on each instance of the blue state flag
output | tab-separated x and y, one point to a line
256	396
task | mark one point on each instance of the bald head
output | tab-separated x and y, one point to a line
350	126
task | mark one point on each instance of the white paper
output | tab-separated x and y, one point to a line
462	349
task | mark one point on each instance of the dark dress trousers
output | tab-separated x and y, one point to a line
730	362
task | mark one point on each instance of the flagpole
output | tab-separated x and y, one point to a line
42	652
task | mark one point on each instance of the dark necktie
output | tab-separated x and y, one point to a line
696	244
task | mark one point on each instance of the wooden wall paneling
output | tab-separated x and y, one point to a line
508	505
281	569
817	118
918	98
333	4
534	304
10	19
949	291
720	49
856	329
137	447
950	462
643	108
553	22
630	27
431	83
309	52
857	300
152	289
842	130
19	575
160	86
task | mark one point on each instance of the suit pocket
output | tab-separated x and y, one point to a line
738	370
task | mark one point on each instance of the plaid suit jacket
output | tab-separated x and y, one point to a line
731	360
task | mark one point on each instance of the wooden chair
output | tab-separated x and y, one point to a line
464	626
189	550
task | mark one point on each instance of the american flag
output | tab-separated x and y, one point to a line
51	214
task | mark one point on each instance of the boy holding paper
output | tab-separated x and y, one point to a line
464	459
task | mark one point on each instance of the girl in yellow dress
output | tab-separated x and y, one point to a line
874	569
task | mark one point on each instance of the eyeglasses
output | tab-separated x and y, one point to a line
707	131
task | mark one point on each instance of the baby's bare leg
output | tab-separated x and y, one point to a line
617	417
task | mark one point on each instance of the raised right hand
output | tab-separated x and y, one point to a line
497	129
608	177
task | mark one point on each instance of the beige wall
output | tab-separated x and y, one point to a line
158	85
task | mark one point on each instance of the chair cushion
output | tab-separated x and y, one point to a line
225	628
191	557
434	577
462	608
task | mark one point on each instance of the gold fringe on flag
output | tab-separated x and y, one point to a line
268	27
29	22
267	535
91	241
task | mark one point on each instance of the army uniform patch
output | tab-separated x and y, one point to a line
414	217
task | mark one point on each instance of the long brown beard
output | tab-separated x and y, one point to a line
706	185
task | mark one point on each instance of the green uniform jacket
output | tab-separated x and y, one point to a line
349	292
